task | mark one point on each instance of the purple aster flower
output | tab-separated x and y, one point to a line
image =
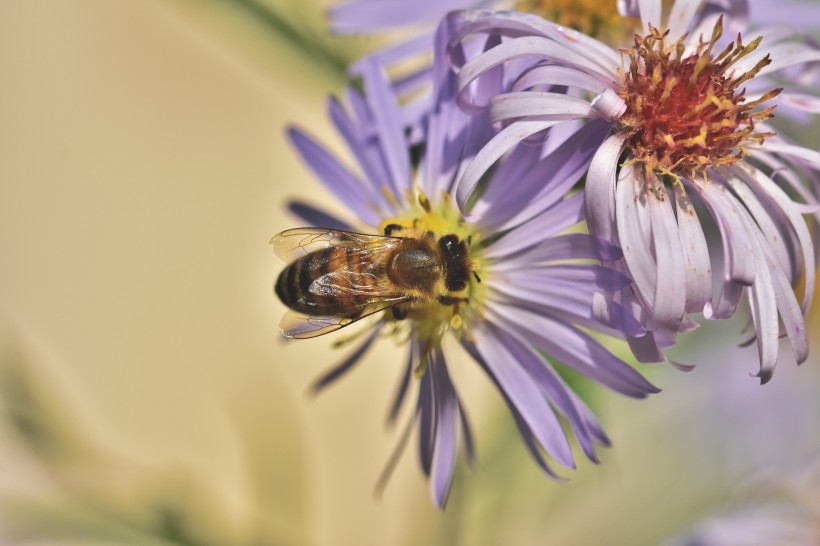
683	143
529	288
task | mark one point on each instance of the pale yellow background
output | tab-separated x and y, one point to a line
143	169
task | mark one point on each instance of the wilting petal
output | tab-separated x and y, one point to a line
538	104
669	302
771	221
788	173
646	348
767	189
530	46
635	239
599	191
737	248
695	252
810	157
763	306
611	313
790	313
551	75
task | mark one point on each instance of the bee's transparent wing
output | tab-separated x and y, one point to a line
300	326
295	243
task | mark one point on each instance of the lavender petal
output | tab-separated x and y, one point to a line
444	444
696	252
338	371
576	349
524	395
316	217
349	189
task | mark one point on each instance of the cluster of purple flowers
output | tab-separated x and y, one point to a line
520	129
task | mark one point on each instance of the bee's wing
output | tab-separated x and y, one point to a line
294	243
301	326
353	276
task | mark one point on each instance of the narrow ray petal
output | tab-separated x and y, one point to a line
518	385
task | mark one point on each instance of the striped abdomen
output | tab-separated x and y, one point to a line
337	281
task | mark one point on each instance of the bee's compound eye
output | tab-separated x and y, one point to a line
450	243
456	260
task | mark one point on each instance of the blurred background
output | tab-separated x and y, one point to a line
147	396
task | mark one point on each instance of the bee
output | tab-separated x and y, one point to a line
335	278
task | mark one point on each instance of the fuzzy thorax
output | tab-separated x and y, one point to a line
449	304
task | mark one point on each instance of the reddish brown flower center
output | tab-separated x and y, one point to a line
685	115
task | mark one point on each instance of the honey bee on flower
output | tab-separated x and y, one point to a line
507	286
339	277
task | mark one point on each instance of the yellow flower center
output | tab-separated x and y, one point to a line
431	315
597	18
685	115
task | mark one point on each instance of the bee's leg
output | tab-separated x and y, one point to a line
389	229
399	312
455	321
450	300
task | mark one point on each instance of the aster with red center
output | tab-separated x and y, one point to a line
680	141
683	112
408	58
